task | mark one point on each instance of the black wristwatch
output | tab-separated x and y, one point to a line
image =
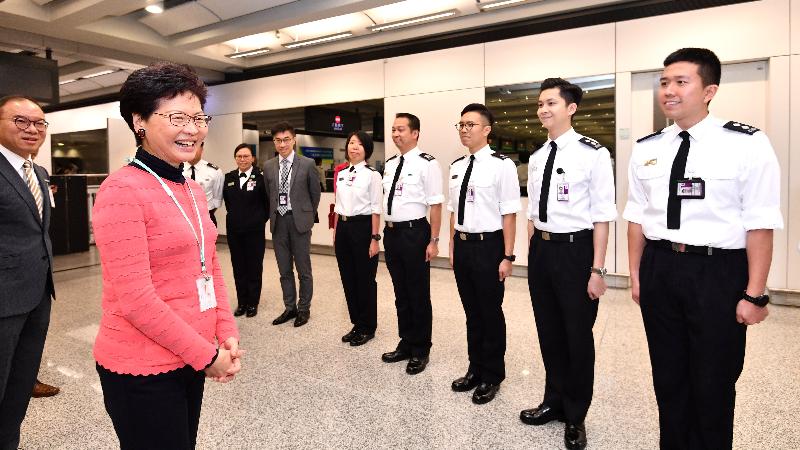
376	237
511	258
761	300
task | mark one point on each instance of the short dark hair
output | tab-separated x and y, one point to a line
413	121
11	97
145	88
280	127
480	109
241	146
366	141
571	93
709	68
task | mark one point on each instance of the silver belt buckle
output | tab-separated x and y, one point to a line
463	236
390	224
677	247
344	218
545	235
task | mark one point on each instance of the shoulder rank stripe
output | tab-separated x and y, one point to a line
426	156
590	142
499	155
741	128
457	160
371	168
212	166
393	157
649	136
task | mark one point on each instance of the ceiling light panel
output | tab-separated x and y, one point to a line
490	5
419	20
249	53
252	42
327	27
319	40
413	8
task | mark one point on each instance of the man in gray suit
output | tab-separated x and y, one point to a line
293	192
26	260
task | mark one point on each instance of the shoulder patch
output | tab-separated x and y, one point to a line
426	156
371	168
741	128
457	160
499	155
393	157
590	142
649	136
212	166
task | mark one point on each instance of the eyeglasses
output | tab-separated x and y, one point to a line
181	120
286	140
23	123
468	125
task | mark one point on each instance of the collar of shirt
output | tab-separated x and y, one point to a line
159	166
358	166
697	132
15	160
485	152
248	172
413	152
290	158
562	140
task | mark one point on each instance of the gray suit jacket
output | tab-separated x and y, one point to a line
304	191
26	254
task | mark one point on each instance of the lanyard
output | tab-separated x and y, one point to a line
201	243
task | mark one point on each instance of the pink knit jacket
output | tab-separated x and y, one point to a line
150	260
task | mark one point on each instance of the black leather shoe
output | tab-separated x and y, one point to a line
252	311
485	393
286	316
302	318
361	339
395	356
350	335
416	364
240	310
575	436
465	383
540	415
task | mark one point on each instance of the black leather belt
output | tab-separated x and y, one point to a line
696	249
564	237
407	223
360	218
462	236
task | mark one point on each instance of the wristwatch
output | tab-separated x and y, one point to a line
511	258
376	237
761	300
435	240
602	271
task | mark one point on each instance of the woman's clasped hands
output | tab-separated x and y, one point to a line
228	362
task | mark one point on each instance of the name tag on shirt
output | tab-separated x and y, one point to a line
205	291
398	190
563	192
231	183
690	188
350	180
471	194
251	185
283	199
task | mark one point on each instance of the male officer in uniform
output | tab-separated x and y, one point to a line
412	182
483	205
702	206
210	178
571	202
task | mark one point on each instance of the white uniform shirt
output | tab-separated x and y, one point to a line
742	185
358	191
587	171
418	186
243	180
210	178
496	188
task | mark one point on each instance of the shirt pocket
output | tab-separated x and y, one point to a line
651	172
485	189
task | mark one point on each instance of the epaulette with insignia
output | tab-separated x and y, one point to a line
457	160
649	136
590	142
212	166
371	168
426	156
393	157
741	128
499	155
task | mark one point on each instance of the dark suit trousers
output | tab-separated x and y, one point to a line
293	248
247	259
697	347
22	338
358	272
411	278
558	273
476	264
154	412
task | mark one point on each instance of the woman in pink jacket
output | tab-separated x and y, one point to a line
166	322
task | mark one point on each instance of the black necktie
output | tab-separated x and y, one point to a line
192	173
548	173
678	169
394	183
462	197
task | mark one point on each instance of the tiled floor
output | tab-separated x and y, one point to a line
303	388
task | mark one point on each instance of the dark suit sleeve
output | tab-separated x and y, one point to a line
313	185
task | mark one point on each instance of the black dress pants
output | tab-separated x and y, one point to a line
358	270
558	274
154	412
411	277
697	347
247	259
476	264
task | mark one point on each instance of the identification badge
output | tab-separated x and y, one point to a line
283	199
563	192
398	190
251	185
205	291
350	179
690	188
231	183
471	194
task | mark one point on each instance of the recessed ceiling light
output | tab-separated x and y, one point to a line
155	8
499	4
68	81
414	20
248	53
319	40
98	74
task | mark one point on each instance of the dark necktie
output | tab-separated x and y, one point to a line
548	173
193	173
678	169
462	197
394	184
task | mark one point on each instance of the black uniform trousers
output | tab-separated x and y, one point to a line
411	277
688	304
558	273
154	412
247	259
358	271
476	264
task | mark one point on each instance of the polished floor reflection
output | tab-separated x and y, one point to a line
303	388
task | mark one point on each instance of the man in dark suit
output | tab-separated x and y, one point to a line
246	202
26	260
293	193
